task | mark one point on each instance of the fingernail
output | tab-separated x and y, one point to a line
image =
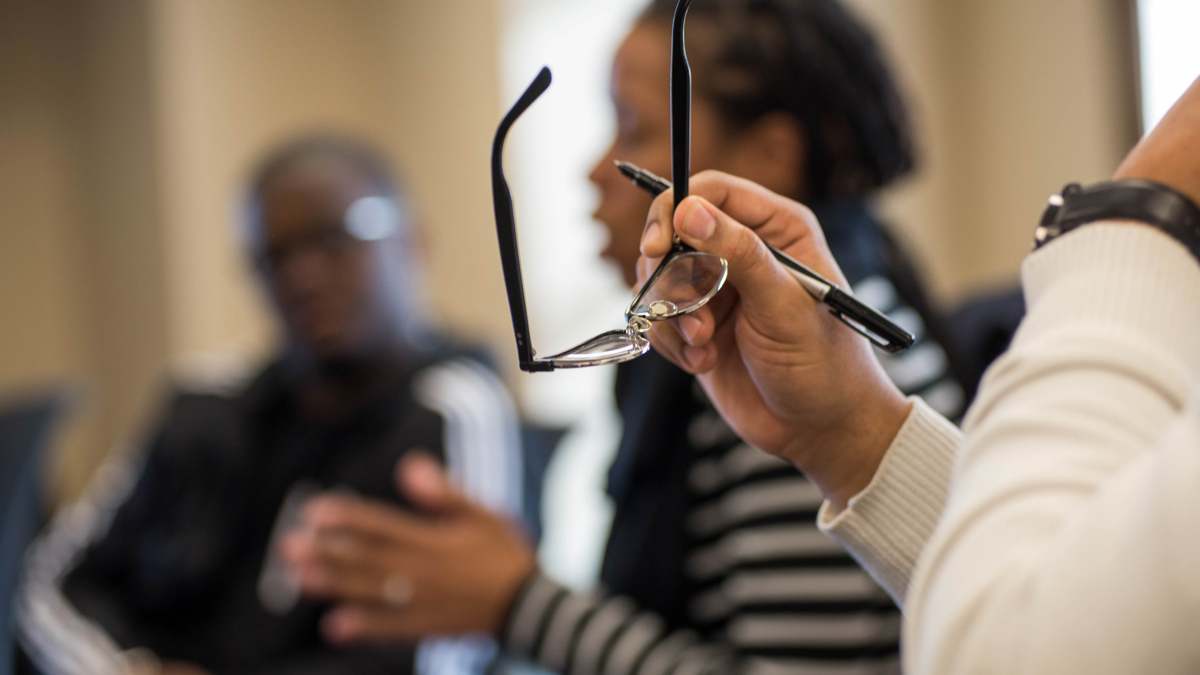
653	232
699	223
689	325
424	475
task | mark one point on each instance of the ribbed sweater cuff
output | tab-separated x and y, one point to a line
887	524
1118	279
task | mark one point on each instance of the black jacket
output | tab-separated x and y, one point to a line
178	571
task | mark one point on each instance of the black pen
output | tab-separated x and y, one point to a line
866	320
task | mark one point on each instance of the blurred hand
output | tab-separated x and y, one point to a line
1171	153
787	376
181	668
395	575
152	666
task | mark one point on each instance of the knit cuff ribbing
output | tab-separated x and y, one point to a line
887	524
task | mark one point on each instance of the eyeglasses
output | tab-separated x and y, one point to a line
366	219
684	281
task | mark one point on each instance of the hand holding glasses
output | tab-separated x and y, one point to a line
685	280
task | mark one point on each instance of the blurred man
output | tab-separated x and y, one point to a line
173	569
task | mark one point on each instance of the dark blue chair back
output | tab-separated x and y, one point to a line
24	432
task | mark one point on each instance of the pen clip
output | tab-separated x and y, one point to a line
862	330
868	322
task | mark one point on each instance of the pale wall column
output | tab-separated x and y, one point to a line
80	266
234	78
1012	99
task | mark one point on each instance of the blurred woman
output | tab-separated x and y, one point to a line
714	561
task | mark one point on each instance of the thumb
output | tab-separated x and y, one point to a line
420	478
755	273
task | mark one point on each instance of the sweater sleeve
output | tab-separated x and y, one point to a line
886	526
1068	541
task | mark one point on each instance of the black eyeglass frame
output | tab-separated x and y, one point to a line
632	338
867	321
637	323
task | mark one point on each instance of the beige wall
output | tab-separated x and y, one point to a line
126	126
1012	99
80	267
125	129
234	77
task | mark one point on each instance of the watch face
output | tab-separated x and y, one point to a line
1047	229
1039	235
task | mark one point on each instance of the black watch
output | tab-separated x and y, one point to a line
1134	199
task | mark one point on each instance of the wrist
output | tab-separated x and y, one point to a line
843	458
140	661
510	598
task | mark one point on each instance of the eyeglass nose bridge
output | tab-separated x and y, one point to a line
637	325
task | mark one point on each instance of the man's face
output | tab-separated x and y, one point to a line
325	283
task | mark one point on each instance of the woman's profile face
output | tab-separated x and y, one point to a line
641	77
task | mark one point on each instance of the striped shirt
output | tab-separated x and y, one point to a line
771	594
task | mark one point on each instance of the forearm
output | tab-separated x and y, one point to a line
1032	542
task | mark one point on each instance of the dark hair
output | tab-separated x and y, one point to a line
356	154
814	60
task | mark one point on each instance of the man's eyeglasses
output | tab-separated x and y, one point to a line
684	281
366	219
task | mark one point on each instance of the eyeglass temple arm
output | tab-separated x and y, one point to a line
506	228
681	105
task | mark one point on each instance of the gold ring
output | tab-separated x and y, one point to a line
397	590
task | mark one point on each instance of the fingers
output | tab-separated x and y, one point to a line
340	566
782	222
420	478
685	341
328	514
760	280
365	622
657	237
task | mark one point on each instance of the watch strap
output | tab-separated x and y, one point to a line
1133	199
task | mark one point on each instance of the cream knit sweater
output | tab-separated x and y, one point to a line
1070	540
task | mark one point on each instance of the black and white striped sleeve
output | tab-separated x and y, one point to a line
922	370
591	634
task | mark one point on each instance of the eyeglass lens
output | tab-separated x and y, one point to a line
685	283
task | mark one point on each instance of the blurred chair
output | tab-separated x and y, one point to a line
24	431
538	444
979	331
